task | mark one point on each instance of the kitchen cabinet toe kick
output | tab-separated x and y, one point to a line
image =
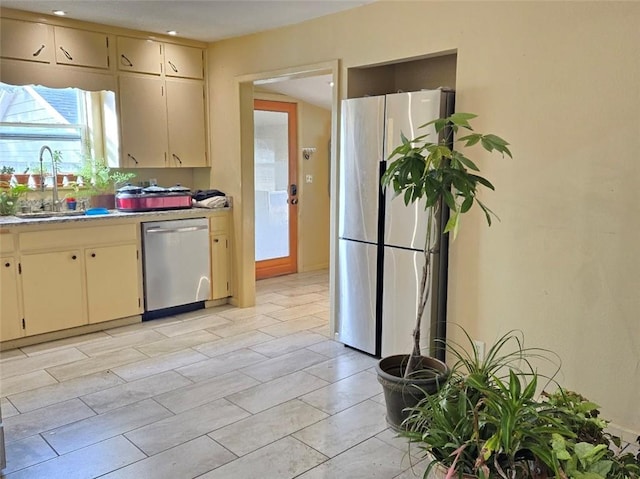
68	333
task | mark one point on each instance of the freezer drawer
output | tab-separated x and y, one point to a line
356	324
401	283
176	263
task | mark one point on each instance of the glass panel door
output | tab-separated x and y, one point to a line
275	188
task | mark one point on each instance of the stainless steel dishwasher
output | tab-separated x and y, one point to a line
177	266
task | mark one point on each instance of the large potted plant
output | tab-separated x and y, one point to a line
438	170
489	421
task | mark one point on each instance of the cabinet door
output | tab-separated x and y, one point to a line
112	282
220	266
25	41
183	61
186	123
52	291
81	48
143	120
10	318
138	55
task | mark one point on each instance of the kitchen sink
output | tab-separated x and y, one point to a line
49	214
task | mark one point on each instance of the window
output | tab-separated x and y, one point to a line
75	122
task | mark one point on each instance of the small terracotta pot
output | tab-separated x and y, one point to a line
103	201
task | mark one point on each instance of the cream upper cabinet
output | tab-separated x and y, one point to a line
139	55
25	41
143	121
10	317
183	61
186	123
81	47
52	291
112	282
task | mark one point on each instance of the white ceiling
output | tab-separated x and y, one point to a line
316	90
207	21
204	20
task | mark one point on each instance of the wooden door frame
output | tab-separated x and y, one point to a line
289	264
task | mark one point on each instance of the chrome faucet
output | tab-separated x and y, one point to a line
54	198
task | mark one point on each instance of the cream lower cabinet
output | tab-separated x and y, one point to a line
112	282
78	276
220	255
220	281
52	291
10	317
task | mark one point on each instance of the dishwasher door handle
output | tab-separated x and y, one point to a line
186	229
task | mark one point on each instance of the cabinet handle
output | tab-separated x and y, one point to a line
38	51
74	257
6	265
129	155
66	54
125	61
93	255
173	67
177	158
216	240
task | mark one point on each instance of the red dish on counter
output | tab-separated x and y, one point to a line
153	198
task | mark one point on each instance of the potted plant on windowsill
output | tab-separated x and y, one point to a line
101	182
435	170
10	195
488	421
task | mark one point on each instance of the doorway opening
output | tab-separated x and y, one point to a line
313	221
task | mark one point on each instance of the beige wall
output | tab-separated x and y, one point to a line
559	80
313	226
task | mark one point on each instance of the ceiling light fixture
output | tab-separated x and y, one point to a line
172	32
60	13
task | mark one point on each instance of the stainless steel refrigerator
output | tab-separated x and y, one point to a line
380	239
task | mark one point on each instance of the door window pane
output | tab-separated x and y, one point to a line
271	182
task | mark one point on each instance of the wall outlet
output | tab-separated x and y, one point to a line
479	345
309	178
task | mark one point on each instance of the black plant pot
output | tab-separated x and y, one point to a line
401	393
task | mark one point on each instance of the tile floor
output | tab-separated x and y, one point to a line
222	393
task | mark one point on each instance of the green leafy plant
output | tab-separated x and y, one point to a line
99	178
10	196
432	169
591	454
489	422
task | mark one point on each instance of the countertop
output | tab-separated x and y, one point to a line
17	221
